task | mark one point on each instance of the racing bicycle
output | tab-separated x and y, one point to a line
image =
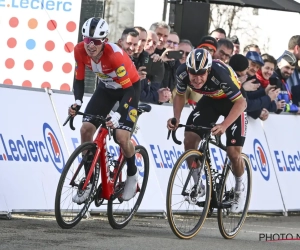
186	209
74	179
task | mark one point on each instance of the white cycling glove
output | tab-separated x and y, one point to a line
115	117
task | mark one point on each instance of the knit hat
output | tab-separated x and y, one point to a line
234	39
238	62
208	41
255	57
289	58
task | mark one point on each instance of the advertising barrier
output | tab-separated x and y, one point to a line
282	132
34	146
32	151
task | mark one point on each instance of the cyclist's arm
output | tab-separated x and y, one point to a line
178	104
232	89
124	80
179	100
78	85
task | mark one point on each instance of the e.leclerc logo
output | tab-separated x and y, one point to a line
23	149
261	160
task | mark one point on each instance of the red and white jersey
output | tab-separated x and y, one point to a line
114	68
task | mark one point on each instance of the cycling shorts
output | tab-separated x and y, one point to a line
208	111
104	99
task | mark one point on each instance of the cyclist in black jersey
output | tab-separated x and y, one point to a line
221	96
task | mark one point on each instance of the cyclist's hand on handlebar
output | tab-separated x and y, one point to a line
219	129
74	108
170	125
113	122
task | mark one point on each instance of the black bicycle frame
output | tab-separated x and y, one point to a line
204	149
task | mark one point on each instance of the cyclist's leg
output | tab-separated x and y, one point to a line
203	115
123	132
100	104
236	134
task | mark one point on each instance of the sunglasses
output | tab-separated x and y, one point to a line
88	40
184	52
198	73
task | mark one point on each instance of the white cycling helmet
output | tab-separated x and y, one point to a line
95	28
198	61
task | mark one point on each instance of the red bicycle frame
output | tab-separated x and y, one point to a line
101	156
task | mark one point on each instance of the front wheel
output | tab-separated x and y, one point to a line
231	223
68	213
121	212
186	208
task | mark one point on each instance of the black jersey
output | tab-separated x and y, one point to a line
222	82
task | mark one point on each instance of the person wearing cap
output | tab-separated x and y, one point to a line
236	44
285	69
209	43
255	62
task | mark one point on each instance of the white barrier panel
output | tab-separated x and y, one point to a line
32	152
61	103
163	153
283	135
264	180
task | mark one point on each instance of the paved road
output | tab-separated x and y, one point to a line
42	232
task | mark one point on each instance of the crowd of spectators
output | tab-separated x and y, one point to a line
268	84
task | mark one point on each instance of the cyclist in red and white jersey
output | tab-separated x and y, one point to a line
119	81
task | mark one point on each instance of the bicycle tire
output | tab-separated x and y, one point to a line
110	213
222	230
198	226
58	206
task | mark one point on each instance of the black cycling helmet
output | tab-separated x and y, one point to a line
198	61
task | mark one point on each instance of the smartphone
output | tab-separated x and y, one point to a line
148	64
174	54
275	81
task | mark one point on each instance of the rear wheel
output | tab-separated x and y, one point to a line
186	209
68	213
121	212
231	223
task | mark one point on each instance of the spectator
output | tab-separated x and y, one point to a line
251	47
285	69
186	47
255	63
209	43
236	44
140	54
129	41
162	30
172	42
169	80
224	50
218	34
151	86
294	79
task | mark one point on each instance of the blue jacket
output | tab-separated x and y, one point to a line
149	91
257	100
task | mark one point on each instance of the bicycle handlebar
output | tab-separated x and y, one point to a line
173	121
